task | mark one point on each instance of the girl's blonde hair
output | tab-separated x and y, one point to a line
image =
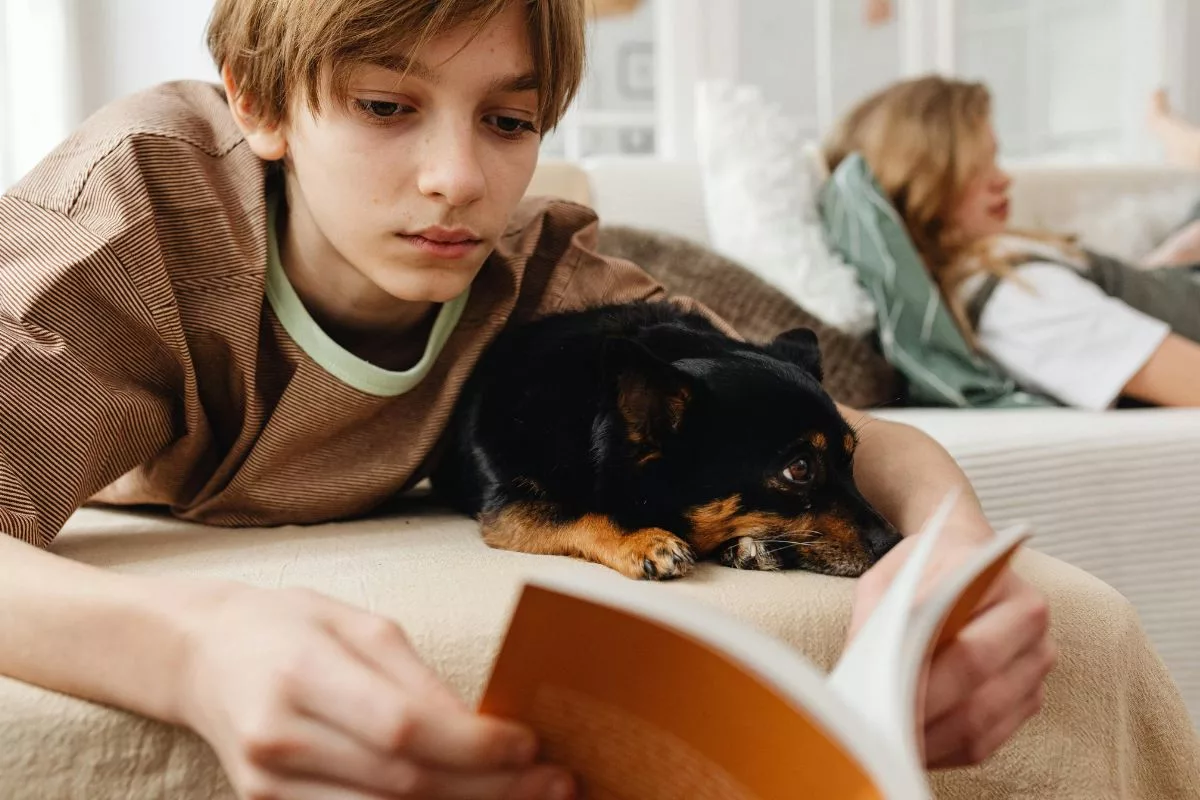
925	139
282	50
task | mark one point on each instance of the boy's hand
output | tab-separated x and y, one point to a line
989	680
303	697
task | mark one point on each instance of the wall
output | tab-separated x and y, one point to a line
1070	77
60	60
619	82
127	45
778	50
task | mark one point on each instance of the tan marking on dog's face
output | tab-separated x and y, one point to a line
826	542
712	523
848	443
836	530
838	551
819	442
716	523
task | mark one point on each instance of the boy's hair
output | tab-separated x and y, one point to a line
278	48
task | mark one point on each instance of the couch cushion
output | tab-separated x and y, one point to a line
855	373
1113	720
650	192
562	179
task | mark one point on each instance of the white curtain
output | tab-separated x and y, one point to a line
40	90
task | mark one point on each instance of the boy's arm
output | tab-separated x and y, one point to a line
282	684
89	385
57	615
300	696
989	680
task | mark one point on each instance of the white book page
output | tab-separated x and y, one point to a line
869	676
957	595
879	673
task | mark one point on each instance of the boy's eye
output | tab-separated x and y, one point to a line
510	126
380	108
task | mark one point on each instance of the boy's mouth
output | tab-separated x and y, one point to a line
444	242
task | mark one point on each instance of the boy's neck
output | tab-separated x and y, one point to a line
355	313
396	349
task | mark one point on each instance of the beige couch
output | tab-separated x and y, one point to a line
1114	725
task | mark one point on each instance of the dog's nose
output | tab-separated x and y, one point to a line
880	544
880	538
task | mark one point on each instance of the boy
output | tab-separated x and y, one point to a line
256	307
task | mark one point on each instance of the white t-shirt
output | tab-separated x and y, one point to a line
1058	333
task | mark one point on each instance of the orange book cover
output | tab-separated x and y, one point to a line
647	698
643	711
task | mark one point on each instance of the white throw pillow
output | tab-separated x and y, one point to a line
760	180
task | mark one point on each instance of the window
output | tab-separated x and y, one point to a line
614	112
38	89
1070	78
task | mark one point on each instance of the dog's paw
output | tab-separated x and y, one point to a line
656	555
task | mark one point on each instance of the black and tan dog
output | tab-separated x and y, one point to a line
641	437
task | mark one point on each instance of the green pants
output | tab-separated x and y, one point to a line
1171	294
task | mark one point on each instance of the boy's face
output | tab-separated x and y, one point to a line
401	192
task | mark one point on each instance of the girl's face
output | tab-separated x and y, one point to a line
982	209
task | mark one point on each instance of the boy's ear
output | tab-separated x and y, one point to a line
268	142
652	395
799	347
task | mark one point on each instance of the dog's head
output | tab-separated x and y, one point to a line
742	447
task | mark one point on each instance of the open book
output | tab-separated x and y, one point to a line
646	696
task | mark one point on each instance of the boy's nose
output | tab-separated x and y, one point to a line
451	170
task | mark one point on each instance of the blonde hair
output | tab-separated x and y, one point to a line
925	139
279	48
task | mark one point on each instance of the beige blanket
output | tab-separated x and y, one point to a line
1113	727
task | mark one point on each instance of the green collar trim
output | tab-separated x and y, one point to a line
331	356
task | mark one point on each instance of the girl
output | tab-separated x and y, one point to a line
1065	322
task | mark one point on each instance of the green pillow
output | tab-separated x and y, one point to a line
917	333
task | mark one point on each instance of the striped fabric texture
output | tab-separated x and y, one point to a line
141	362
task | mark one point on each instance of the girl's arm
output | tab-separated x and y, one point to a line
1171	377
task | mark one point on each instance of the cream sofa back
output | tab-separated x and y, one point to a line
648	193
1118	209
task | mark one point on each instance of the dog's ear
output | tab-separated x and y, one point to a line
799	347
651	394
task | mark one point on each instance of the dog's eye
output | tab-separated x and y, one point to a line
799	472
